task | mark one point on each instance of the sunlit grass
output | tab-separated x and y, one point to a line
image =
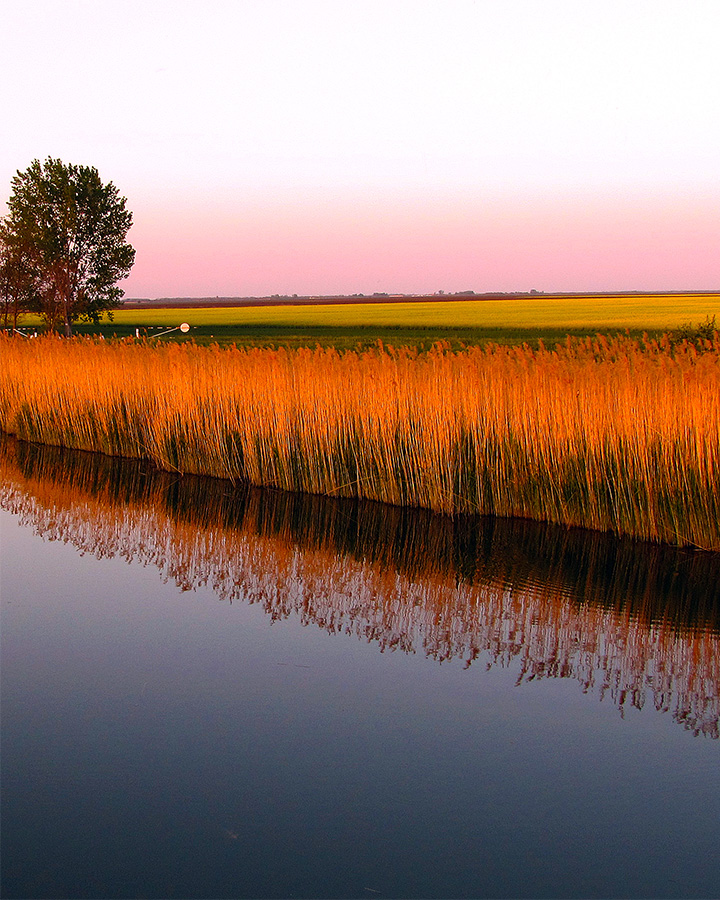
647	311
650	312
606	434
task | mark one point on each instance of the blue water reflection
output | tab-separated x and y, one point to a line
394	704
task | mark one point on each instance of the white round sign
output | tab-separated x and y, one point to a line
184	328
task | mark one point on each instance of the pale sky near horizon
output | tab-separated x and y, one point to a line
323	146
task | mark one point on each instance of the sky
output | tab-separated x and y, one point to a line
403	146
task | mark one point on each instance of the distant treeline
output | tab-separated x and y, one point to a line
382	297
310	300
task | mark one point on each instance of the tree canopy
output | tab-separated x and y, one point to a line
69	231
17	283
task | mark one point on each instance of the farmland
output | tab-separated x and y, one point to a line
419	322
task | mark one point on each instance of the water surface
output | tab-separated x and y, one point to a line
215	692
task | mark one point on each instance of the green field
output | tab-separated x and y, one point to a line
421	322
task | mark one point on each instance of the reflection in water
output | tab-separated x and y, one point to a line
638	623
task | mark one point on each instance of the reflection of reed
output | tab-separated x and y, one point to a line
635	622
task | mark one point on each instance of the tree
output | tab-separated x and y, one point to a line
73	228
17	279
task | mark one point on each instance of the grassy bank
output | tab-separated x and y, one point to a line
607	434
420	323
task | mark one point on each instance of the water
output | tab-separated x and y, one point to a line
209	692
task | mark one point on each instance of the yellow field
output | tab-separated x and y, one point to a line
651	312
605	434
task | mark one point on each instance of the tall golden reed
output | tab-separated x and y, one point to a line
606	433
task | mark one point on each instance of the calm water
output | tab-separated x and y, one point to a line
208	692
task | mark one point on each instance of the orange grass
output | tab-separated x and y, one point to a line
605	433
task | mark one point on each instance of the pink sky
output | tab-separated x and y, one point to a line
352	146
422	245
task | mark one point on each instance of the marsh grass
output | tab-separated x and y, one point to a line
611	434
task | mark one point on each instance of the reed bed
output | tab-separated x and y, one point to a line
611	434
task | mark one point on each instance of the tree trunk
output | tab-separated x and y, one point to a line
66	314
